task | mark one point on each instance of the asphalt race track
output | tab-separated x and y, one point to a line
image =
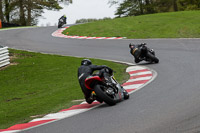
169	104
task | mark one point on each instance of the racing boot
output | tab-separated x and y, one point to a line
95	97
89	100
92	98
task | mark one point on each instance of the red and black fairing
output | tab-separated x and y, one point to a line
91	81
106	87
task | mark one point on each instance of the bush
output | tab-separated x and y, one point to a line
184	5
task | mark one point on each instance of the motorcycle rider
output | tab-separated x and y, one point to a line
138	46
64	18
86	69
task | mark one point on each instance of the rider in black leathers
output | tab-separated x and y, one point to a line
64	18
86	69
139	46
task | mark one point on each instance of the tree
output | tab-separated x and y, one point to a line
135	7
7	11
139	7
22	15
1	11
34	9
175	6
166	5
25	12
188	5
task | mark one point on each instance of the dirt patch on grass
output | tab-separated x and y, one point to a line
12	63
13	99
79	100
37	116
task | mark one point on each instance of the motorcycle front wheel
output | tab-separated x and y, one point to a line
103	95
59	26
126	95
152	58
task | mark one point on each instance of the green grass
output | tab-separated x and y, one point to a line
19	27
162	25
37	84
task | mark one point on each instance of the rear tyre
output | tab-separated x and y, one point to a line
99	100
102	95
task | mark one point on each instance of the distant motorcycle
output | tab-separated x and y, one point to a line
61	23
142	52
106	88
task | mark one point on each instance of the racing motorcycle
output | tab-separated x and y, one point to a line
106	88
61	23
142	52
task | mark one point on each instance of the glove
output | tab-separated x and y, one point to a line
110	69
104	66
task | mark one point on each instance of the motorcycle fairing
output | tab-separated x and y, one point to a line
90	79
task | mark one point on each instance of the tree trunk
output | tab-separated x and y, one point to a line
175	5
148	7
29	12
7	12
141	7
22	16
1	11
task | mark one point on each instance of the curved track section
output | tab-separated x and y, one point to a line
170	104
58	33
139	77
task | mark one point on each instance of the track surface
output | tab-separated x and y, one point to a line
170	104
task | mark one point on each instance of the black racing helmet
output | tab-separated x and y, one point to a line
131	45
86	62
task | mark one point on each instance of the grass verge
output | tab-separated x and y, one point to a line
19	27
36	84
183	24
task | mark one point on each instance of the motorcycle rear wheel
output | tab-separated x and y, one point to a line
102	95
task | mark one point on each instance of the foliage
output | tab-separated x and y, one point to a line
140	7
188	5
135	7
25	12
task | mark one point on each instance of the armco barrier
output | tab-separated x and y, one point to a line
6	25
4	56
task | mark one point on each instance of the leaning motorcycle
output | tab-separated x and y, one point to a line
106	88
61	23
142	52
